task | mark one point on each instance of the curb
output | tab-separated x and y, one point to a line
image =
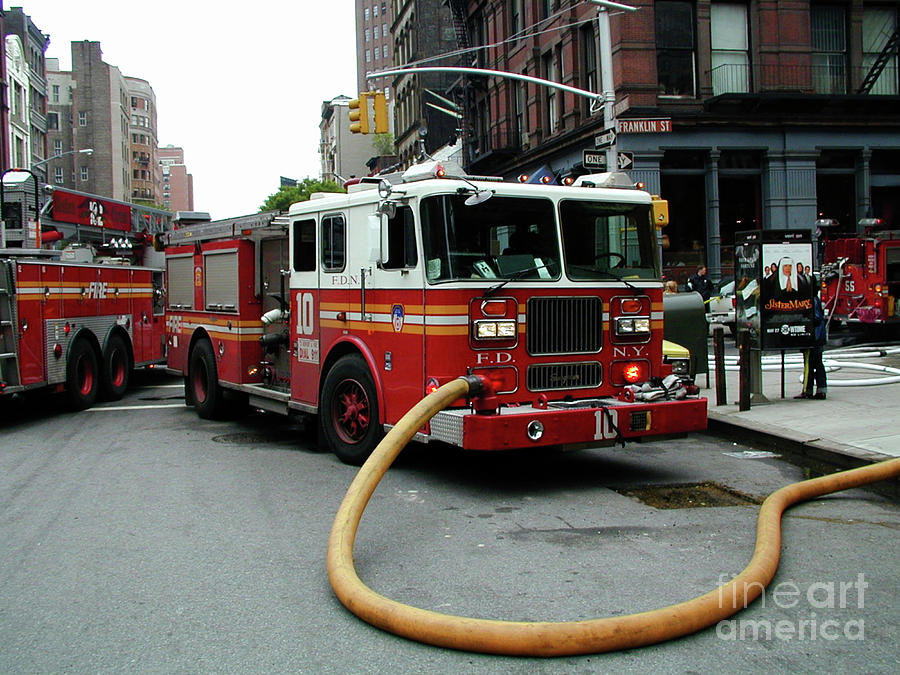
819	455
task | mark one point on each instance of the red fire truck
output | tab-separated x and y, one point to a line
81	318
354	306
861	275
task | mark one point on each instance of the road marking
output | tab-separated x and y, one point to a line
140	407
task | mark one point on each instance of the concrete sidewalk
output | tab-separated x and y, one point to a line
856	424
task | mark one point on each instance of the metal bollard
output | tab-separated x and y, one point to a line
743	340
719	353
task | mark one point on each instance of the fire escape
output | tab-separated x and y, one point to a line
880	62
461	88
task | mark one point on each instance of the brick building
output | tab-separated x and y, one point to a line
177	183
766	115
374	43
92	110
32	45
146	172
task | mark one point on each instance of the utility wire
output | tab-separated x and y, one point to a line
530	31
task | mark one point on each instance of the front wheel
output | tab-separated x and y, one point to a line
349	411
202	385
82	376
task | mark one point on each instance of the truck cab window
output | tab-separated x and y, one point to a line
499	238
304	245
334	243
603	238
401	240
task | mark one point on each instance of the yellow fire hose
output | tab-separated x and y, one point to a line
555	638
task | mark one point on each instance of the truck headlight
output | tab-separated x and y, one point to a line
632	326
503	329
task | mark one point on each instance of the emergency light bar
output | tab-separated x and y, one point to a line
613	179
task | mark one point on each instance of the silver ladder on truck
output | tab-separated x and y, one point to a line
9	353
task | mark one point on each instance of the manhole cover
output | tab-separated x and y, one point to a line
688	496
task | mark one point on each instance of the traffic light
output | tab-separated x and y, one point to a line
359	113
379	106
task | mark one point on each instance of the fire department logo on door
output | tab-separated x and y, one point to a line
198	276
397	317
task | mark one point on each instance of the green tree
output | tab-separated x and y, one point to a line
289	194
150	203
384	144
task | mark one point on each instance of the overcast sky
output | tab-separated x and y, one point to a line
239	86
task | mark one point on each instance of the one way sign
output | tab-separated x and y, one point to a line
596	159
625	160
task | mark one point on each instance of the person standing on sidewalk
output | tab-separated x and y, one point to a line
813	367
700	283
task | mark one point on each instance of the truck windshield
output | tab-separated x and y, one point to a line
602	240
496	239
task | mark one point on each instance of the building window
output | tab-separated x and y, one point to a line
589	63
57	147
55	93
829	46
58	175
366	13
384	51
521	133
368	56
546	8
84	173
375	10
675	51
515	17
82	119
879	23
730	58
384	30
551	107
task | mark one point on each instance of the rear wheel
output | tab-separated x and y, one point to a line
116	371
203	382
349	411
82	376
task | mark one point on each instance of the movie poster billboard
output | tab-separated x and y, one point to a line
747	276
786	319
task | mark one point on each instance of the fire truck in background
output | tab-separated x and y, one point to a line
354	306
861	276
79	317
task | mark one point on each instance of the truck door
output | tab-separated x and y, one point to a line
273	260
37	285
396	312
305	310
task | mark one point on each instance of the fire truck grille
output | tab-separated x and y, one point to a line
564	325
547	376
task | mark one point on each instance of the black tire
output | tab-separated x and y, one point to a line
203	382
82	376
116	372
348	411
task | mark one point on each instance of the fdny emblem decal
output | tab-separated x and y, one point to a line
397	317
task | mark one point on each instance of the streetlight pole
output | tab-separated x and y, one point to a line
607	83
83	151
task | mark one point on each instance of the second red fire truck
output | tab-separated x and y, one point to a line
354	306
79	319
861	276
